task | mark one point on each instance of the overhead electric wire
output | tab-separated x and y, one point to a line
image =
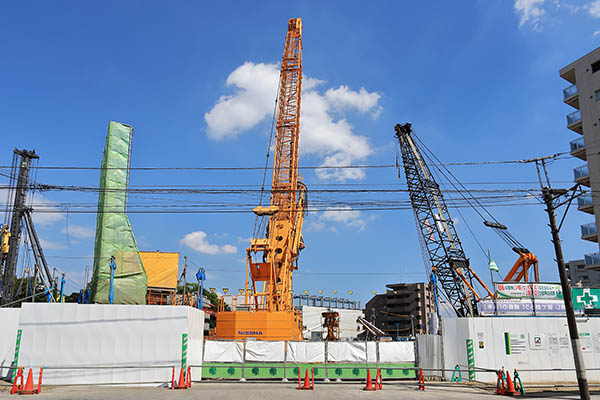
558	156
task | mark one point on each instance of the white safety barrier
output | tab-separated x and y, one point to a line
9	326
215	351
538	347
94	343
429	350
261	351
306	352
309	352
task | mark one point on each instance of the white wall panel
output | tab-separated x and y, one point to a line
9	325
94	335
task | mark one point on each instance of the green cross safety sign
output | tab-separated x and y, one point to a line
586	298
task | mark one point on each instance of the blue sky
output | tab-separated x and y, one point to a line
478	80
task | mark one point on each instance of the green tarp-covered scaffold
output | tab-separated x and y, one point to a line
114	237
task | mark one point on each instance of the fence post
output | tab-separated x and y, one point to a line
326	363
285	350
377	354
243	378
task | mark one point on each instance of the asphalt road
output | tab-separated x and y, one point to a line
277	391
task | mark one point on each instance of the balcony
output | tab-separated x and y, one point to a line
574	122
582	175
588	232
592	261
585	204
578	148
571	96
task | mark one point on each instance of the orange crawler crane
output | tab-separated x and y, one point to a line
268	312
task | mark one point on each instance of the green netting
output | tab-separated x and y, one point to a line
114	236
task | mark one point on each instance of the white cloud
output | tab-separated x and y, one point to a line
343	98
80	232
344	215
530	11
596	33
48	245
197	241
44	213
233	114
594	10
325	131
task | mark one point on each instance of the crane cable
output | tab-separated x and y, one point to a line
508	238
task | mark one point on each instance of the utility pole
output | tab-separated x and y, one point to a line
12	257
549	195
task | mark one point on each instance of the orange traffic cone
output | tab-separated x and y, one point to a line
369	385
189	377
181	382
16	387
510	388
28	385
421	379
306	385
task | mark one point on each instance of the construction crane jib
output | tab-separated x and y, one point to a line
446	256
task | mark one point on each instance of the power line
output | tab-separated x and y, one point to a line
558	156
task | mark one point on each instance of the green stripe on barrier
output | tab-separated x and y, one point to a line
15	362
184	350
471	359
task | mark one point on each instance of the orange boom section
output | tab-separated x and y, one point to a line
265	309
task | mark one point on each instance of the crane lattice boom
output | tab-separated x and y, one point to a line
447	258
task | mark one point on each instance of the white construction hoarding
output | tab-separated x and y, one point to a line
525	343
94	343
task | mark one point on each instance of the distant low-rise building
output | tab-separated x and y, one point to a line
404	309
579	275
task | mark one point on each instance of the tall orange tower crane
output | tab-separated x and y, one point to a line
268	311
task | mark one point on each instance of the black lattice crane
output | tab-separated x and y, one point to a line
438	236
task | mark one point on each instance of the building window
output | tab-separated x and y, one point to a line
596	66
597	95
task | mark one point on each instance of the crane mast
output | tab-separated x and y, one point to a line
268	311
283	241
447	258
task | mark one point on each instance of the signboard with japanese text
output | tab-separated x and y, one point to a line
551	291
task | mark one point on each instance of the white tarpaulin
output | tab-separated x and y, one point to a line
395	352
215	351
430	354
346	352
306	352
62	337
9	326
264	351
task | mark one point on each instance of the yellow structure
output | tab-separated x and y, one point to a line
267	311
161	268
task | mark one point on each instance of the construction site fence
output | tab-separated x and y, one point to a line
308	352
